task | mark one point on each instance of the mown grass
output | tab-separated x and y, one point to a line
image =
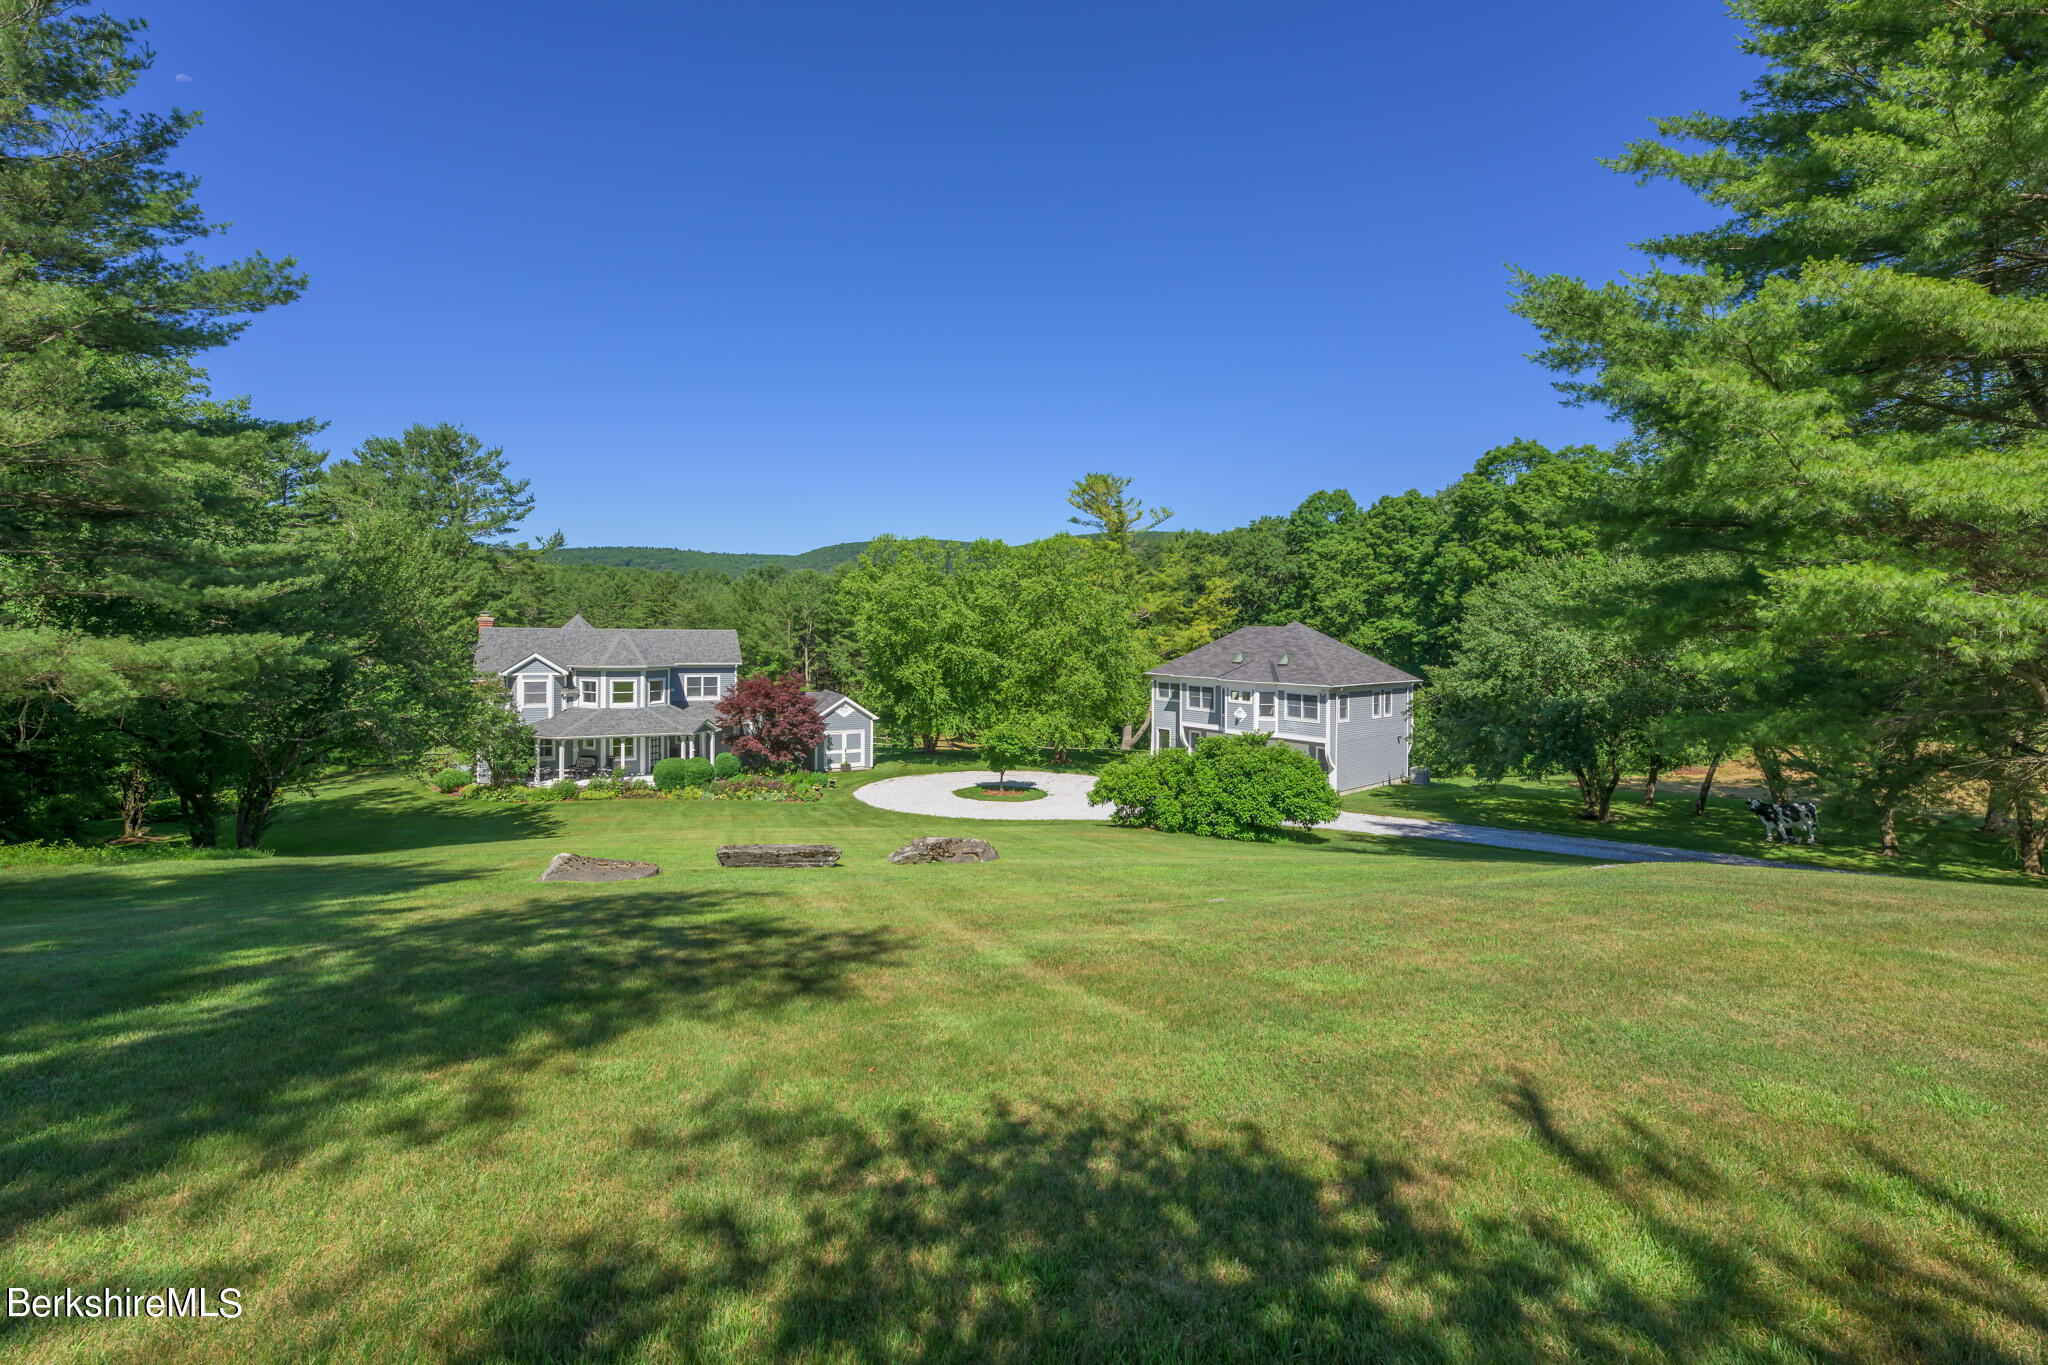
1931	844
1118	1095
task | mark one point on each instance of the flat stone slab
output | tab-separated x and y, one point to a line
574	867
778	855
944	849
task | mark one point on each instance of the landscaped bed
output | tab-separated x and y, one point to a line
1117	1094
1008	791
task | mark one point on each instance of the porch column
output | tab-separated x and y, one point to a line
535	780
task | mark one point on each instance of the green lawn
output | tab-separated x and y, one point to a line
1930	844
1118	1095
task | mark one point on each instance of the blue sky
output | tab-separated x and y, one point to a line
762	277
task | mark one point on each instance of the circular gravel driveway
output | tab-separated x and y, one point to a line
1066	796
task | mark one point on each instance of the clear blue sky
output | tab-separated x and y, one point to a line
767	276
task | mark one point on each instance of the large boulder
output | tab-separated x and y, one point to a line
574	867
945	849
778	855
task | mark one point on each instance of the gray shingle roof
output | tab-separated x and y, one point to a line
578	644
1313	660
597	722
825	699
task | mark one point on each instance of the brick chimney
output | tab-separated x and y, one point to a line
485	622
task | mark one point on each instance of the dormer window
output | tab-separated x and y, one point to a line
623	691
657	691
700	685
533	691
590	691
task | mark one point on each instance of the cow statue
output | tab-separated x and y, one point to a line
1783	819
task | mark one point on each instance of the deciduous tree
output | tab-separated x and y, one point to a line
772	723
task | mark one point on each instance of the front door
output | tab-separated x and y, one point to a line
853	750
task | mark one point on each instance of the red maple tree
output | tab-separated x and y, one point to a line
771	723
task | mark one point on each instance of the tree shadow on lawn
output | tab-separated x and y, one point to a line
360	817
1075	1232
260	1022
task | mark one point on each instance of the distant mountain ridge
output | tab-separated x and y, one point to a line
824	559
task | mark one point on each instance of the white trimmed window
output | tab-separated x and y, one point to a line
1266	705
589	689
1163	690
1344	708
657	691
533	691
624	691
1301	706
1201	698
700	685
1236	695
624	747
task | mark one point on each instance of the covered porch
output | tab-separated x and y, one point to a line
628	742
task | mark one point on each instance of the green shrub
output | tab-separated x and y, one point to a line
437	760
564	789
726	765
762	787
49	854
451	779
697	772
594	792
1235	787
671	774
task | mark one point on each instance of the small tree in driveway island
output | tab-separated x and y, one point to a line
1006	745
774	724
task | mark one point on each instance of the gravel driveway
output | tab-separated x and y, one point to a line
1066	796
1067	799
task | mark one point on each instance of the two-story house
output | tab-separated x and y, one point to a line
625	699
1345	709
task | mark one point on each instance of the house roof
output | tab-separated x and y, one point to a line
578	644
825	699
597	722
1313	660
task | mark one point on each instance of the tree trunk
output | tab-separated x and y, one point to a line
1773	771
1887	833
1699	807
1997	810
252	815
1130	738
135	792
930	743
1650	782
199	813
1587	809
2029	837
1607	795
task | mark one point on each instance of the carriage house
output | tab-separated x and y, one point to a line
622	700
1343	708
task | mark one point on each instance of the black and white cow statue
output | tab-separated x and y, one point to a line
1783	819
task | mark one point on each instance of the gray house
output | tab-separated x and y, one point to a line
625	699
849	733
1343	708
